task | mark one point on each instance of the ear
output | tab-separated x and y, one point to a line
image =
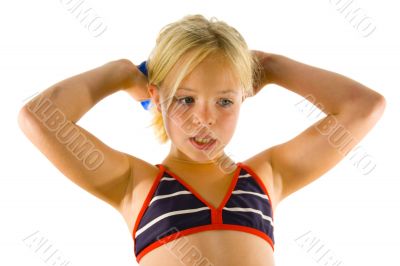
155	95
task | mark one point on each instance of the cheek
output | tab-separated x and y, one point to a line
227	124
180	120
230	117
178	113
179	124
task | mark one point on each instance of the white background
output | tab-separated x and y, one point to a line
353	215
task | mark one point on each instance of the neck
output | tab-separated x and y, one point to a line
223	164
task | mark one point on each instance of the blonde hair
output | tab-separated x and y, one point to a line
200	37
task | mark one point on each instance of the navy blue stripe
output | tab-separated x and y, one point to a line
248	219
171	225
176	203
248	184
250	201
168	187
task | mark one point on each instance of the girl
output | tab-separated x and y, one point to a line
197	77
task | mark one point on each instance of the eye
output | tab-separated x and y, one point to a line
181	100
189	100
226	102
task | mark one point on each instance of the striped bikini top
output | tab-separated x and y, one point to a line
173	209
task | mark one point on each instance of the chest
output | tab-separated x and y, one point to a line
212	191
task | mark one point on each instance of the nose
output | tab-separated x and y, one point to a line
203	115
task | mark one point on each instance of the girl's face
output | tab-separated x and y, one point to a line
206	105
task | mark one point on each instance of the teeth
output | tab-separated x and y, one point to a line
202	140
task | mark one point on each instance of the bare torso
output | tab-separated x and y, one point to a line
214	247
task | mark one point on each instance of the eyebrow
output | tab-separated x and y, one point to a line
220	92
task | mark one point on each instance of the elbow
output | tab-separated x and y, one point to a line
22	115
378	107
380	101
376	102
25	121
22	119
371	105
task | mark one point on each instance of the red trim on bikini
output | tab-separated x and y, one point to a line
177	235
147	200
260	183
216	213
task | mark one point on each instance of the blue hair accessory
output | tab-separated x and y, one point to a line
145	103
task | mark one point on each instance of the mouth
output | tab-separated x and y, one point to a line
204	143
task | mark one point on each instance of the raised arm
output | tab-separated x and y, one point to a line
49	122
351	111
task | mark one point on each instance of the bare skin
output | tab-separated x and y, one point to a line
123	180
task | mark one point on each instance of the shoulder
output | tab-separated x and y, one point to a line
143	174
261	165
